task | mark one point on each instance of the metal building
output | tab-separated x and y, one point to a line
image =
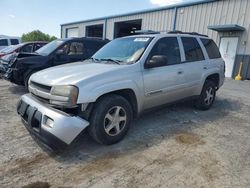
226	21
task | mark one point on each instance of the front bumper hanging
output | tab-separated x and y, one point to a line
54	127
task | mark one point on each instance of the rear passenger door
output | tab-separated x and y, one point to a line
193	65
164	84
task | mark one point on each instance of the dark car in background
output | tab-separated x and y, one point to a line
10	53
55	53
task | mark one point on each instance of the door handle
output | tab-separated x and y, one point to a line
205	68
180	72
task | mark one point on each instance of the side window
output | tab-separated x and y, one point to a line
76	48
3	42
192	49
37	46
14	41
168	47
27	48
212	49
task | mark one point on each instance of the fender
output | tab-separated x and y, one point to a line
213	70
95	92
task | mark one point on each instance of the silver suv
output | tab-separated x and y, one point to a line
123	79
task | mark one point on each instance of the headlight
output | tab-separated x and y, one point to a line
64	95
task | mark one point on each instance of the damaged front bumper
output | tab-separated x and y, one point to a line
55	128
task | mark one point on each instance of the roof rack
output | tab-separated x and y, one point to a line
189	33
145	32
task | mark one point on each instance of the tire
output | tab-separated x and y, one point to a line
110	119
207	96
27	76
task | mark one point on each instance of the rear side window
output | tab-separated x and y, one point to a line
27	48
14	41
168	47
3	42
212	49
76	48
192	49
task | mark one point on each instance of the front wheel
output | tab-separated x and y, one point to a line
27	76
110	119
207	96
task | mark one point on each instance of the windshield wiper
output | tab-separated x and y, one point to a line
111	60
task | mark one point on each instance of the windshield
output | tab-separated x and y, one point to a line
125	50
50	47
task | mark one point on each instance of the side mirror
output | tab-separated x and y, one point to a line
156	61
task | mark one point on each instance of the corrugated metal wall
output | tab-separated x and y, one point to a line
196	18
192	18
158	21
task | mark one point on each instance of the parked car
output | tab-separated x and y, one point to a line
57	52
26	47
7	41
126	77
10	53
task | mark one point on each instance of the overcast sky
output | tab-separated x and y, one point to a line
22	16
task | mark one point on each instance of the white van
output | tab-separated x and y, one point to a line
7	40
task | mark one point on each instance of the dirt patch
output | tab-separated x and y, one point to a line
189	139
25	164
37	185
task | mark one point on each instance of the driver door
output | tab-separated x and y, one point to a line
163	84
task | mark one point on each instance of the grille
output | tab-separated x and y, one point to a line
40	91
41	86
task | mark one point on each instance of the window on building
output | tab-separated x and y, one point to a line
3	42
212	49
14	41
94	31
168	47
192	49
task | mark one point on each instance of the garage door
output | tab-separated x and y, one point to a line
72	32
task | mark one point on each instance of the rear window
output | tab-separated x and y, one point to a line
14	41
3	42
192	49
212	49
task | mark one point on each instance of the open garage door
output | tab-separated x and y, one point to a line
94	31
72	32
126	28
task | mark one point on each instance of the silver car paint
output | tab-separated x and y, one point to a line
65	127
152	87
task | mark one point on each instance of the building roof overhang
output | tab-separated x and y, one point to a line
226	27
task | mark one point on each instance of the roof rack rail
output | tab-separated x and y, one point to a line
145	32
189	33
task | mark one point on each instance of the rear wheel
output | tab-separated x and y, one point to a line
207	96
110	119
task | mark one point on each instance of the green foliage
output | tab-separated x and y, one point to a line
37	36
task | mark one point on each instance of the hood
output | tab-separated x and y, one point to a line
31	58
72	73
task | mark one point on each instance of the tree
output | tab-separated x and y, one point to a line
37	36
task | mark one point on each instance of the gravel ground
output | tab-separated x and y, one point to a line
175	146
